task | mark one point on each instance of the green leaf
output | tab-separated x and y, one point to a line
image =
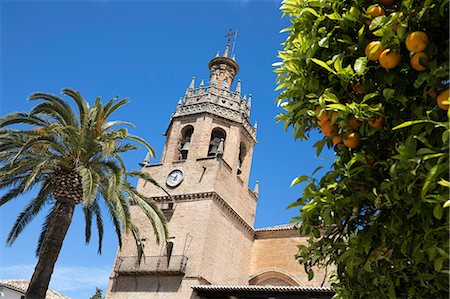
391	291
310	274
438	211
319	146
323	64
409	123
360	65
438	264
444	183
299	179
310	10
369	96
388	93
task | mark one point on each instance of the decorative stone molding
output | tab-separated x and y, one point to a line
218	110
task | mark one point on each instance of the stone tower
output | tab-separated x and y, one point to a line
205	166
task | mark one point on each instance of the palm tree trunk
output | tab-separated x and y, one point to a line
56	231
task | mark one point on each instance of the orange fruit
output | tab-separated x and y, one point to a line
373	50
337	139
321	114
389	59
353	123
417	41
375	11
419	60
443	96
353	140
327	128
377	122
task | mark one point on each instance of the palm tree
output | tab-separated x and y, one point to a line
73	159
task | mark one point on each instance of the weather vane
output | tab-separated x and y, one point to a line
229	35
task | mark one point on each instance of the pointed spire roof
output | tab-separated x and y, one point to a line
192	83
202	83
249	102
227	49
256	189
238	86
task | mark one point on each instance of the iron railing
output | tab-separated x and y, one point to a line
152	265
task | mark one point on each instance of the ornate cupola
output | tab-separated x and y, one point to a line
223	69
217	97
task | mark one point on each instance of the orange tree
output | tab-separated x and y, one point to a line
373	76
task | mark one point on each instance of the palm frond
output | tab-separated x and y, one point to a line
34	174
116	106
88	222
13	193
125	148
83	106
139	244
99	221
152	211
22	118
116	222
30	211
55	106
148	178
90	180
143	142
110	124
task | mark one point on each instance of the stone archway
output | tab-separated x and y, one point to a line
273	276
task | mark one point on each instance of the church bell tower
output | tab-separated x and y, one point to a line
205	166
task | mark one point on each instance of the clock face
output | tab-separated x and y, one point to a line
174	178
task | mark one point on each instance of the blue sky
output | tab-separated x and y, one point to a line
147	51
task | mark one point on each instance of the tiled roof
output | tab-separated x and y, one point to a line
22	286
288	226
264	288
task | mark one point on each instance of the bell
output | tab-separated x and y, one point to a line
213	146
212	150
185	146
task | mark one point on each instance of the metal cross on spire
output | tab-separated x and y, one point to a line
229	35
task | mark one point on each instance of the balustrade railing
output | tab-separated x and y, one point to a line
152	265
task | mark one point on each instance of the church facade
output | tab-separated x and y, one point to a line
213	251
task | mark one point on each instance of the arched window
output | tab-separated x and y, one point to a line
217	142
242	153
225	84
186	135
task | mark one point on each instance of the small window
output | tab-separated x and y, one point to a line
217	142
225	84
186	135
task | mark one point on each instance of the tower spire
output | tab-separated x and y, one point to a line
227	48
191	86
249	102
238	86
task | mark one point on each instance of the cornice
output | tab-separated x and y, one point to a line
217	110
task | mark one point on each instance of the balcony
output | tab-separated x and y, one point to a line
152	265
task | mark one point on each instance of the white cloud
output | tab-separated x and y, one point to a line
64	278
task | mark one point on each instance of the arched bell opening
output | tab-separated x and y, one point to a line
242	153
217	142
185	145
